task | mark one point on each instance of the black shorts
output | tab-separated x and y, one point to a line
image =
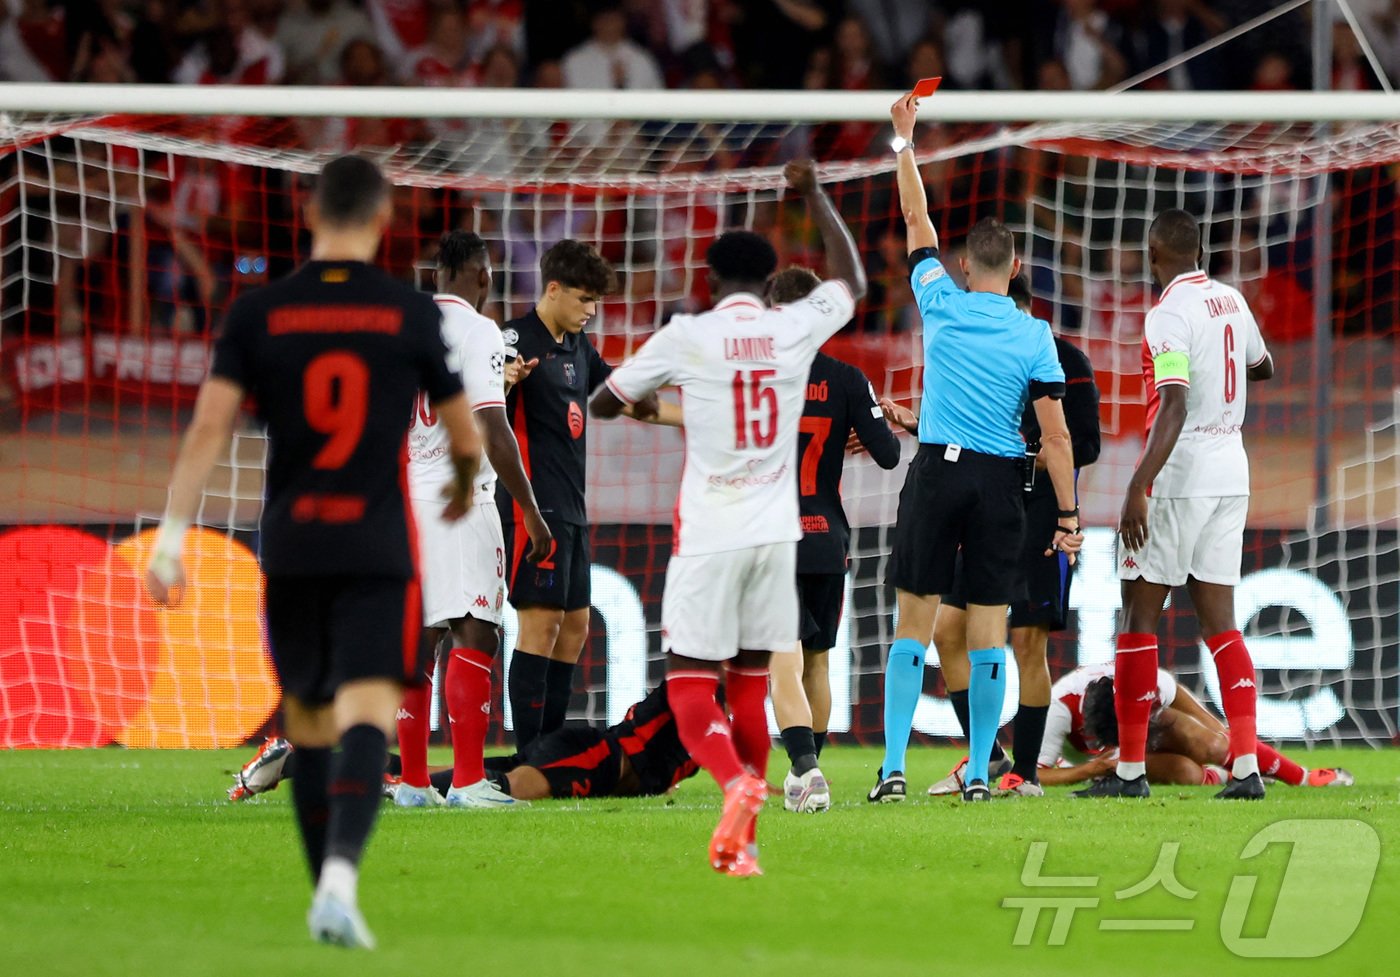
561	579
973	504
820	596
1043	600
577	761
326	631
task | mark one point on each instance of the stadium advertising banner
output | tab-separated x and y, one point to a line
87	660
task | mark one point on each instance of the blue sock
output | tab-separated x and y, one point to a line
904	683
984	698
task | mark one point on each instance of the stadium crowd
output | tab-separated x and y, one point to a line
828	44
203	230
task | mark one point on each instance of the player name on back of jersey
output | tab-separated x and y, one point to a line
1221	305
747	349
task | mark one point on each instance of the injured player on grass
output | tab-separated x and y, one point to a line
641	756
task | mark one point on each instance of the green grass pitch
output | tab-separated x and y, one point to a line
132	863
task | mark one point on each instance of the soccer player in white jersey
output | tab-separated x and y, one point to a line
731	593
463	563
1183	518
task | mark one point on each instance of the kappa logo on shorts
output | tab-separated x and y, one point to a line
481	601
1129	563
932	275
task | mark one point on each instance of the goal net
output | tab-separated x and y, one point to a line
123	237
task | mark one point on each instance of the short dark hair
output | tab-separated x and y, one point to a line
792	284
349	191
457	249
1019	291
990	244
741	256
1176	232
1100	714
574	264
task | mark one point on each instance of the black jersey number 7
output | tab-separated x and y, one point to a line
335	398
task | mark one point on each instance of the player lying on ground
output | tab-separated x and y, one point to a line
1186	743
462	564
731	596
641	756
840	402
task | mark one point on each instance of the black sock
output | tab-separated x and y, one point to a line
959	701
289	766
501	781
357	784
310	798
820	739
558	690
526	687
394	765
441	781
801	746
1027	732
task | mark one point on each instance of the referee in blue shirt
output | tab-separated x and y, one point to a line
982	357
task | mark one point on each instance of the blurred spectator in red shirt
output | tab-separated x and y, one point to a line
401	26
495	23
445	59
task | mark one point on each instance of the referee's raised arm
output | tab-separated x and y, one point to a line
913	201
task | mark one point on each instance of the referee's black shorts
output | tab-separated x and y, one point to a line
1044	600
324	631
973	504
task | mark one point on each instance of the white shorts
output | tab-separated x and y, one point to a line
462	563
718	603
1201	538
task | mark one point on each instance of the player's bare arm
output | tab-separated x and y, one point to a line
842	255
1187	704
913	201
215	412
503	451
1166	428
606	405
465	442
1263	370
1080	772
1058	451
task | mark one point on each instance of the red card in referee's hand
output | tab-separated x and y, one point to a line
927	86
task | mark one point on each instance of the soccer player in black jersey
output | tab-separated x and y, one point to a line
642	756
839	400
333	356
559	368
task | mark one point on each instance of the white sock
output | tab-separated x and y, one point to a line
339	878
1244	766
1131	771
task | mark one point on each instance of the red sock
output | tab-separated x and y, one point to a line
1134	683
702	727
415	717
1235	670
745	690
1272	763
469	708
